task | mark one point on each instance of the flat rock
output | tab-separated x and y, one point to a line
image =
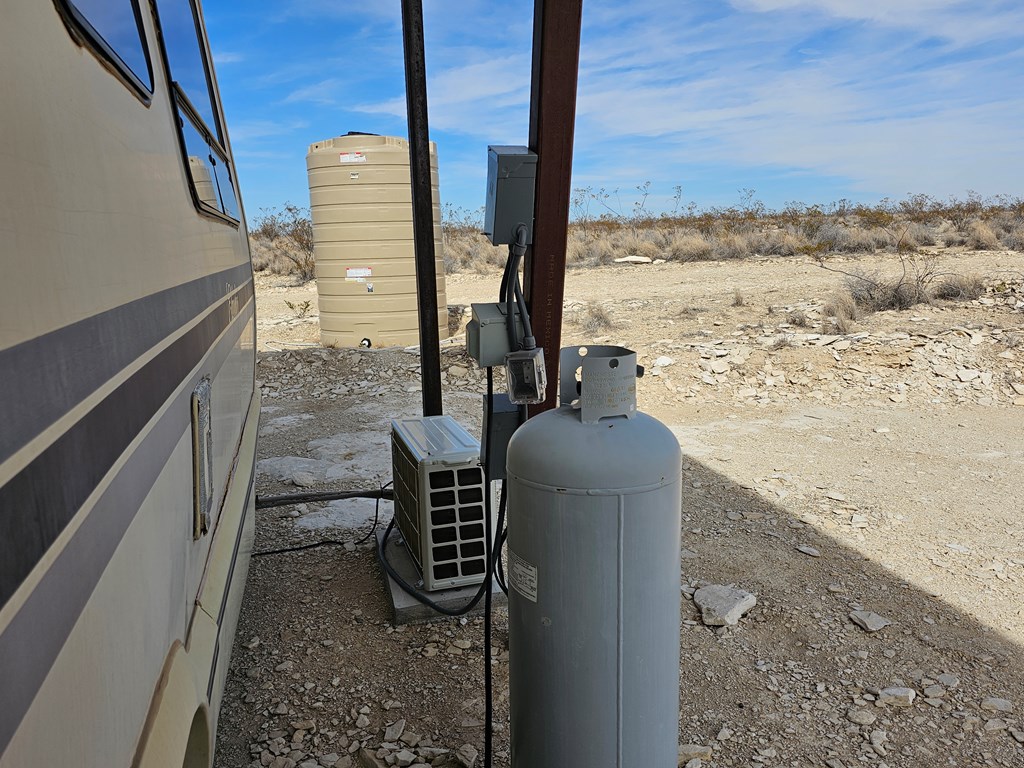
860	716
394	731
720	605
303	479
868	621
809	551
633	260
897	697
466	755
993	704
404	758
688	752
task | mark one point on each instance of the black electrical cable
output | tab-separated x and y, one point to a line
300	548
382	493
267	502
489	575
510	280
529	342
499	570
376	513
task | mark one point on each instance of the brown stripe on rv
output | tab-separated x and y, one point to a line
30	643
39	501
58	370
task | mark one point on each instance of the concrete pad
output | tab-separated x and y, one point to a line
406	608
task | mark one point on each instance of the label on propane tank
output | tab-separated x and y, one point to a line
522	576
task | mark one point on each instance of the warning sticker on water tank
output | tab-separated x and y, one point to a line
352	157
522	576
357	274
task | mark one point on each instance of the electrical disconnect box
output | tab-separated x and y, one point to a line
439	500
487	339
511	176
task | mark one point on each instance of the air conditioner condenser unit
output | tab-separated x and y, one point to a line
439	500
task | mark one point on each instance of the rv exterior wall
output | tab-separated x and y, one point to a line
361	203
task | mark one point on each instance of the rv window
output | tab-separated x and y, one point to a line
196	102
115	32
225	189
185	58
200	163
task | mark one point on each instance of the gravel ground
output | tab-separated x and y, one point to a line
832	477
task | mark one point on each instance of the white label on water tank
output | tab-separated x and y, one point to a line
522	576
358	274
352	157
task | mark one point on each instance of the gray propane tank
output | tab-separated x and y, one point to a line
593	570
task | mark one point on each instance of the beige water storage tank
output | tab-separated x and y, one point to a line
361	203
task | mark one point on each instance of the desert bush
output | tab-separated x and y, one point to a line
980	237
689	247
1013	240
959	287
737	298
780	242
594	318
840	312
876	292
798	318
730	246
834	237
922	234
284	239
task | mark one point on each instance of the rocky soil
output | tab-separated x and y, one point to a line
859	495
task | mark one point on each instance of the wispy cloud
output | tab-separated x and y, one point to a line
227	57
798	98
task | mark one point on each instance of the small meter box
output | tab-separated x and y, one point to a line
439	500
511	178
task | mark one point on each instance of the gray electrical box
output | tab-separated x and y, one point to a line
487	334
511	176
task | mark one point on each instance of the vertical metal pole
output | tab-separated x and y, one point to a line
422	204
556	58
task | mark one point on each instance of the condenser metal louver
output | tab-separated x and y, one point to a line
439	499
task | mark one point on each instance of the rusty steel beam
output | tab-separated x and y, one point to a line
556	58
422	204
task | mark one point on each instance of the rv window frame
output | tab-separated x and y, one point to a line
183	108
87	36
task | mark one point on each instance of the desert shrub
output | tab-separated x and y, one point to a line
689	247
781	242
922	234
959	287
980	237
798	318
1013	239
285	238
954	239
876	293
840	311
834	237
730	246
600	251
737	298
594	318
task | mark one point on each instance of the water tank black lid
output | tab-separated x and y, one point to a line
361	133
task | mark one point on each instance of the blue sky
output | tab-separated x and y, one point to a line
798	100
